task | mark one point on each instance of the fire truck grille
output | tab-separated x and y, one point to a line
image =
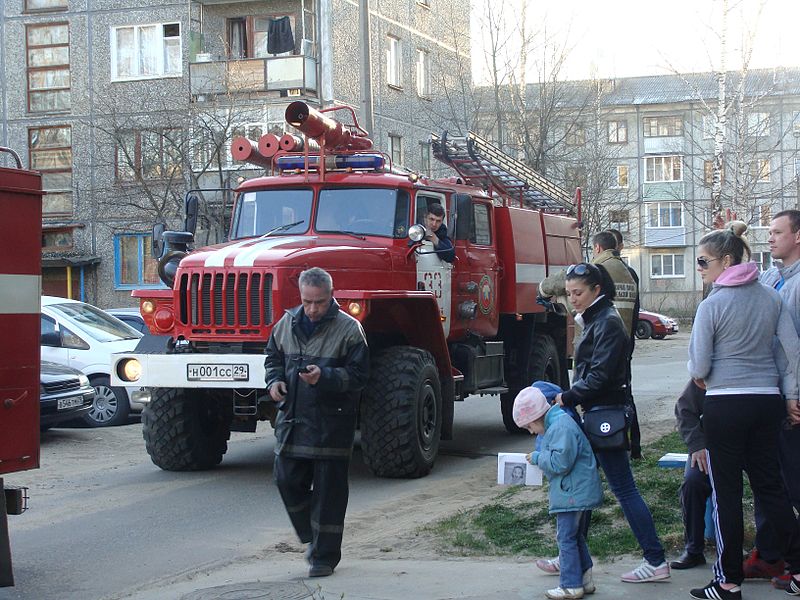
226	299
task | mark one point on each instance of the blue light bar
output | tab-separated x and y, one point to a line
361	162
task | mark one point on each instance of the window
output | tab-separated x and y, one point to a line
50	151
759	170
617	132
133	265
575	177
393	62
481	227
149	154
48	67
248	37
576	135
425	158
57	240
396	149
664	214
709	126
423	73
762	259
761	215
619	219
663	126
146	51
666	265
758	124
619	176
45	5
663	168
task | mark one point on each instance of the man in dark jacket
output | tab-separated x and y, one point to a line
436	233
317	362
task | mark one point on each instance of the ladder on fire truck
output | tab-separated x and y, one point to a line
481	164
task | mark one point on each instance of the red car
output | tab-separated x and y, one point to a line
654	325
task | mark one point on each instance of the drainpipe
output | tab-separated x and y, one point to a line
4	99
325	52
366	65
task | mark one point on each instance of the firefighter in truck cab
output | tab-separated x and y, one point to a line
436	233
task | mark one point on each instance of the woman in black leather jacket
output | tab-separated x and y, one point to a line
599	379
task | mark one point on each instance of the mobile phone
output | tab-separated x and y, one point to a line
303	370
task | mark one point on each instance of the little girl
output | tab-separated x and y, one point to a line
566	458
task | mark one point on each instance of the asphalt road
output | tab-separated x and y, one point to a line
104	522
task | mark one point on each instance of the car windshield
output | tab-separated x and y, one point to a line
367	211
260	212
100	325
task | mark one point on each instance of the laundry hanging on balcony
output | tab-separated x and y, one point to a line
280	37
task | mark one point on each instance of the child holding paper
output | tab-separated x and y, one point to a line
566	458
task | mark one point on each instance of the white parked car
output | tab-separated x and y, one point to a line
84	337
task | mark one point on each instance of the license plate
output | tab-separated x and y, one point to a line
206	372
70	402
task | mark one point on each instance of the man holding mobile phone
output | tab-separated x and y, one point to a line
317	362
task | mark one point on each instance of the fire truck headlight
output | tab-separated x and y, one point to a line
416	233
148	306
129	369
355	308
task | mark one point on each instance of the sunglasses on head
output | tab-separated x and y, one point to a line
580	269
703	262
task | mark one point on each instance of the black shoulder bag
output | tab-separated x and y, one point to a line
607	427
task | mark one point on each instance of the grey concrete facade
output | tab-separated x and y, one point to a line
115	104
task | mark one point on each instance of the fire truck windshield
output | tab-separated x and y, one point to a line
367	211
265	210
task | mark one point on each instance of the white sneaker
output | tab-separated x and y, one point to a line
551	566
646	572
588	584
560	593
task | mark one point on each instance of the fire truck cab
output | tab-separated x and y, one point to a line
438	331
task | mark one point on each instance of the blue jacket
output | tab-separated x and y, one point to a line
567	460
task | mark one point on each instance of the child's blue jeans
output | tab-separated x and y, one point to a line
573	554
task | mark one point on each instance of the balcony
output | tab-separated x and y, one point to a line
664	237
664	145
279	74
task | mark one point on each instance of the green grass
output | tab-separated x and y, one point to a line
517	521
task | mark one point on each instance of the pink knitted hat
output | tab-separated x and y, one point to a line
529	405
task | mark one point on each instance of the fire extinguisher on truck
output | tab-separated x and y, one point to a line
438	331
20	299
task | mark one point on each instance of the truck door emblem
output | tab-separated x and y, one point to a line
485	295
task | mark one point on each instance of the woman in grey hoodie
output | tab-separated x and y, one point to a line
732	355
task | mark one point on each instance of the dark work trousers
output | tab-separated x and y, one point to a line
315	493
695	490
789	455
742	435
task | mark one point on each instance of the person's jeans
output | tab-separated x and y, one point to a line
573	554
617	467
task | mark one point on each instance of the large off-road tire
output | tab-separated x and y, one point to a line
401	414
643	330
543	364
186	429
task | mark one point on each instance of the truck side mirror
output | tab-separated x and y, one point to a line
463	216
157	242
190	223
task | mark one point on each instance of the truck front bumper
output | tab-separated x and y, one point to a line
189	370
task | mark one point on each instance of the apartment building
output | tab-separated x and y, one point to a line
125	106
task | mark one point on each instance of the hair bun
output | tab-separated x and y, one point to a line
738	228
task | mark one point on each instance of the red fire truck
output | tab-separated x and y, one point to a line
437	331
20	296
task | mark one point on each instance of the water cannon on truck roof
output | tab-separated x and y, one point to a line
438	331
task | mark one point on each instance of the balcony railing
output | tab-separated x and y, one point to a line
277	74
663	237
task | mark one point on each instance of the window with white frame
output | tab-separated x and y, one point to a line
146	51
759	170
425	158
666	126
761	214
762	259
133	265
617	132
758	124
393	61
396	149
619	176
663	168
423	73
664	214
619	219
666	265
